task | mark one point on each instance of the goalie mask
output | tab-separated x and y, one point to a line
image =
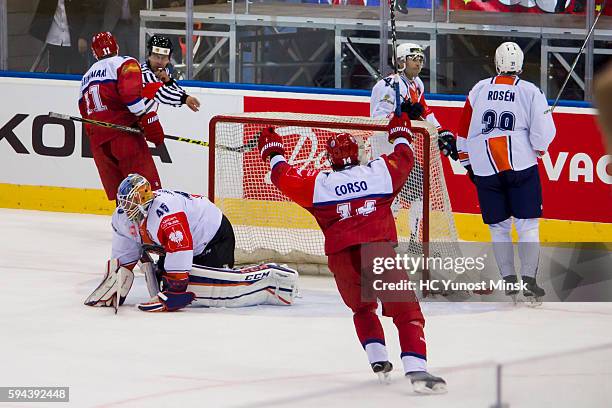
342	150
408	51
135	196
509	58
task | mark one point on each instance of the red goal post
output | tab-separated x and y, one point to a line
269	227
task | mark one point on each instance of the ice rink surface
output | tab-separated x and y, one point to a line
306	355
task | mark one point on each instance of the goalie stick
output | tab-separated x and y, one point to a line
252	144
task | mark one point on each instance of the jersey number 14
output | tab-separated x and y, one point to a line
367	208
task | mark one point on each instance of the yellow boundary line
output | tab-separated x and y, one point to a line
92	201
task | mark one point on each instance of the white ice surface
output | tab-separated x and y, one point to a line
306	355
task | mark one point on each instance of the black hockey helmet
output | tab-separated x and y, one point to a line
160	45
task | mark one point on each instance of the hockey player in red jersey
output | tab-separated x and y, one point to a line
111	91
352	205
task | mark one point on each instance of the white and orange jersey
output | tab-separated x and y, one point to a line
382	100
504	125
352	206
182	223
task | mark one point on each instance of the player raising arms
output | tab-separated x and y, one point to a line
111	91
351	218
505	126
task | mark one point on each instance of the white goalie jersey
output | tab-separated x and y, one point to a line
181	223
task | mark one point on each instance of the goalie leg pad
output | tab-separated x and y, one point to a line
256	285
103	295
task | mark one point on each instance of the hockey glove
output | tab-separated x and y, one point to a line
448	144
414	110
105	293
270	144
152	128
167	301
399	126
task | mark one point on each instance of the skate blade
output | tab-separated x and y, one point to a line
533	302
420	387
384	378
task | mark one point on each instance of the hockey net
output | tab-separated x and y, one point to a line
270	227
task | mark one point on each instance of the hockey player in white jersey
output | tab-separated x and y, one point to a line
505	127
197	243
410	60
383	101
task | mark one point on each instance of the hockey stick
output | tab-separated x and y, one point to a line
252	144
398	107
569	74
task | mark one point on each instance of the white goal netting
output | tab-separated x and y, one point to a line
269	227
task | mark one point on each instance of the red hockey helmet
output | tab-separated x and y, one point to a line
104	45
342	150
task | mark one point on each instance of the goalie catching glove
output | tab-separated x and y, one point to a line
448	144
270	144
399	126
106	293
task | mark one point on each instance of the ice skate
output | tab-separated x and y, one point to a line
511	291
425	383
533	292
382	369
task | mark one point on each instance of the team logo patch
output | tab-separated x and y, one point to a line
174	232
130	67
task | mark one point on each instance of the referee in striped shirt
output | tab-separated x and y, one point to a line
159	87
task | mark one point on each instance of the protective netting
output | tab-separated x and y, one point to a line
269	227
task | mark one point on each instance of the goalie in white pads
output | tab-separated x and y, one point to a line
196	242
505	127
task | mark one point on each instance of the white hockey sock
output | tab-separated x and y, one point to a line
376	352
502	247
412	363
529	245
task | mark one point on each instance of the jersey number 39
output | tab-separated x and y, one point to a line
490	121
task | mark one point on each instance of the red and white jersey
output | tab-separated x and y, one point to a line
111	91
503	125
352	206
182	223
382	100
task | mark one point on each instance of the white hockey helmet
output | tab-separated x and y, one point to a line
509	58
408	50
